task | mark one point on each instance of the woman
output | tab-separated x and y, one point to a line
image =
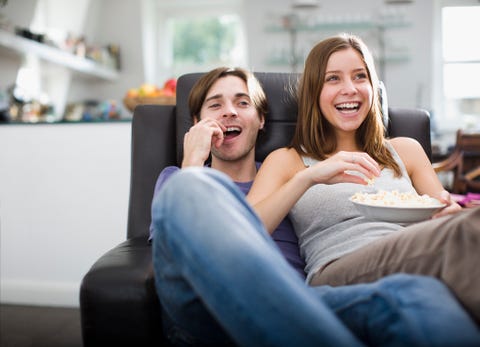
338	146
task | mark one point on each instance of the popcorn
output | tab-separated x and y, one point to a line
395	199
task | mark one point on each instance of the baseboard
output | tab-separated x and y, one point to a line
20	292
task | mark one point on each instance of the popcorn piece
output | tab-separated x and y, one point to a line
395	199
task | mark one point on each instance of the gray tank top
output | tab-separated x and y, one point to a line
328	225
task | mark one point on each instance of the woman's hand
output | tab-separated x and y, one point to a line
345	167
451	208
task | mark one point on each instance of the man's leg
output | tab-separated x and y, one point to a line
446	248
402	310
213	238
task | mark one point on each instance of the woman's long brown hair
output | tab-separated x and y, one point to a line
314	135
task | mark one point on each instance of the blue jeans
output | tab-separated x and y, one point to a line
222	281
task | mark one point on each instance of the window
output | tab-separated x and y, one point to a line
194	36
460	70
205	42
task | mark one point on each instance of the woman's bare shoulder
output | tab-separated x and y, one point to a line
284	156
405	144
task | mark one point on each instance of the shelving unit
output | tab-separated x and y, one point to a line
294	26
22	46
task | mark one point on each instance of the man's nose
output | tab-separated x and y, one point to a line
230	110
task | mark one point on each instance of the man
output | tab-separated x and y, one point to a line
222	280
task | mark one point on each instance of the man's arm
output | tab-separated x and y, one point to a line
199	140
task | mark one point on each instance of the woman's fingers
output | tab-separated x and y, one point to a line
361	162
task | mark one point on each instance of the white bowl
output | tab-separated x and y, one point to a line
397	214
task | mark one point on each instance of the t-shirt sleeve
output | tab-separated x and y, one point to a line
162	178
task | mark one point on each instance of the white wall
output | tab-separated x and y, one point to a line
63	203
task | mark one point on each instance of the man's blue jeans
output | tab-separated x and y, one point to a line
221	280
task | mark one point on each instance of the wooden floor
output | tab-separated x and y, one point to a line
36	326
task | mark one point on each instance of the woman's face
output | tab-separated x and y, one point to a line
347	94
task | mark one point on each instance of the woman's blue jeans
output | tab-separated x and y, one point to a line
222	281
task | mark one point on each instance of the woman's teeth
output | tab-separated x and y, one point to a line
348	106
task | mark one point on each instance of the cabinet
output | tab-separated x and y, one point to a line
10	43
304	31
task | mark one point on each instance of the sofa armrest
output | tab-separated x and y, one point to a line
153	148
119	305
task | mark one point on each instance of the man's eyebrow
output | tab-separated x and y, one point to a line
219	96
216	96
242	95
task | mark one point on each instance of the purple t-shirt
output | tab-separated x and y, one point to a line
284	236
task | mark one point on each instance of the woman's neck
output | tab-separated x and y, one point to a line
346	142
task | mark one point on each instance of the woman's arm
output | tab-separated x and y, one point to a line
422	174
283	178
276	187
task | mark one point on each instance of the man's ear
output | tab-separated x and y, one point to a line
262	122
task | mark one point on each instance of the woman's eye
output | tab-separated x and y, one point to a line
361	75
214	106
331	78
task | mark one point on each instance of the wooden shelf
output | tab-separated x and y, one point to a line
23	46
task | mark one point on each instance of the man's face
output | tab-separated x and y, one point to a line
229	103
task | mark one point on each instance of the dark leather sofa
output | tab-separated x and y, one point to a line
118	303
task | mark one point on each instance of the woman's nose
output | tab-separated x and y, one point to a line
348	87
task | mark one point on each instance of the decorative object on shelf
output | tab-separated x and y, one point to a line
305	4
55	55
149	93
92	111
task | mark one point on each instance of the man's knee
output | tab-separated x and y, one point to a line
196	180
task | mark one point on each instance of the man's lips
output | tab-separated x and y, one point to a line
231	132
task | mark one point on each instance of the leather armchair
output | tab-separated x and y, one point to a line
118	303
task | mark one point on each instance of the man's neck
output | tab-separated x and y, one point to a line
239	171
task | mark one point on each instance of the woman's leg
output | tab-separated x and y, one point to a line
447	248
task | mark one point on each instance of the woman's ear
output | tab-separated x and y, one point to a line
196	119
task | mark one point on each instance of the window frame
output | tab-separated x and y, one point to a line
444	124
157	40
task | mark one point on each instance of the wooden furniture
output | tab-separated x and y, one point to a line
464	162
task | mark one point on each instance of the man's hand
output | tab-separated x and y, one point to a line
199	140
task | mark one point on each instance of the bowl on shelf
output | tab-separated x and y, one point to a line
132	102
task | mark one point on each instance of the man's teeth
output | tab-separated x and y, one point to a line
232	129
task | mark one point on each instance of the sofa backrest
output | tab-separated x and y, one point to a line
158	131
